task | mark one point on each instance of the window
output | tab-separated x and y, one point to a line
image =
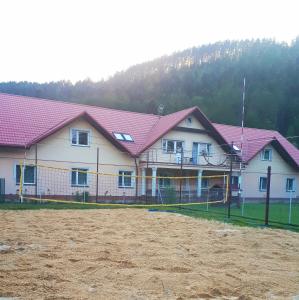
204	183
123	137
125	179
290	185
263	184
80	137
79	177
172	146
267	154
28	175
205	149
235	181
189	121
163	181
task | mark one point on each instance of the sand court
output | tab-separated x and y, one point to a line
136	254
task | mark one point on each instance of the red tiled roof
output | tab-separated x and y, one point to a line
254	140
26	120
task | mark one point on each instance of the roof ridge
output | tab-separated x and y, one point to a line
235	126
78	104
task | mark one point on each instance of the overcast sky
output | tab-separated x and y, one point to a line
46	40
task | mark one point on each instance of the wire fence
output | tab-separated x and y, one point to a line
214	196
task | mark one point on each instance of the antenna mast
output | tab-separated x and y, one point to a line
242	142
243	115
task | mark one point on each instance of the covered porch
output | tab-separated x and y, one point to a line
166	185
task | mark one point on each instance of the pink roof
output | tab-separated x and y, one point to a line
254	140
25	121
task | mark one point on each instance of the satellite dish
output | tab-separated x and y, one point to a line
236	148
160	109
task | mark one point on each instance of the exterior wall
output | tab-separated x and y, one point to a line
156	153
280	172
195	124
57	151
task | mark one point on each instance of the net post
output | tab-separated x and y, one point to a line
268	196
35	171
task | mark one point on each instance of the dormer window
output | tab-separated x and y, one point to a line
80	137
123	137
266	154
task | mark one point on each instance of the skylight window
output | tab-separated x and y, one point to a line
119	136
123	137
128	137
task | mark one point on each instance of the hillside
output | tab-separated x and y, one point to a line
209	76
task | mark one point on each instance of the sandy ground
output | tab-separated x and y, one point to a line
136	254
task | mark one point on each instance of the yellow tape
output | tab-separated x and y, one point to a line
123	205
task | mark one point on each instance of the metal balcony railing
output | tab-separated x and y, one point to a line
187	157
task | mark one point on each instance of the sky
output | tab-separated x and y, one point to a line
50	40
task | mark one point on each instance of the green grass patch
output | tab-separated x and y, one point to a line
253	213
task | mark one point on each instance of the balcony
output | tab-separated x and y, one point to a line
187	158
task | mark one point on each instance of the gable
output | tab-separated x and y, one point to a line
277	162
195	124
59	144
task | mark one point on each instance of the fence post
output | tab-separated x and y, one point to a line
290	208
181	173
21	182
97	179
268	196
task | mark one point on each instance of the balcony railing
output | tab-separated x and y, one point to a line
187	157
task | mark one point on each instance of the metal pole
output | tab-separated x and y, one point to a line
97	179
35	171
268	196
290	209
182	155
230	180
147	158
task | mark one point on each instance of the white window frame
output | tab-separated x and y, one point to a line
294	182
125	137
77	175
122	186
25	183
260	185
208	146
175	145
263	154
88	131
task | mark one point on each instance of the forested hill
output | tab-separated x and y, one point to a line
210	77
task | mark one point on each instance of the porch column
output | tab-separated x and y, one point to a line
154	181
143	181
199	175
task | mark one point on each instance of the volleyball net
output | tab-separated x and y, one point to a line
46	183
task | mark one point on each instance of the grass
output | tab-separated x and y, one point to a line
254	213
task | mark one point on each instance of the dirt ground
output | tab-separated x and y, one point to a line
136	254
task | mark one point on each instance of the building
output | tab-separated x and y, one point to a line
138	151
